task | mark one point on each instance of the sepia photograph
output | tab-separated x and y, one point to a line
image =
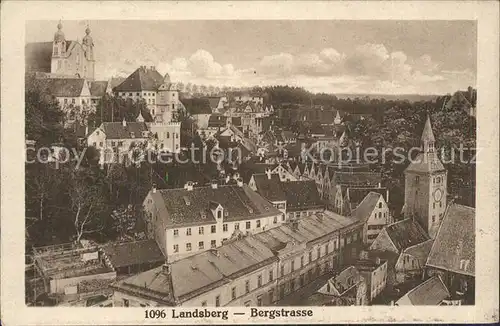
250	163
183	166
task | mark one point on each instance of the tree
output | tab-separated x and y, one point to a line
86	202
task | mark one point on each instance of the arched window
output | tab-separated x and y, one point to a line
219	214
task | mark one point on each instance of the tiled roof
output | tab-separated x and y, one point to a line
38	56
425	162
197	105
455	241
236	121
356	195
191	207
142	79
115	81
429	293
98	88
420	251
133	253
204	271
217	120
269	188
116	130
62	87
406	233
358	178
366	207
301	195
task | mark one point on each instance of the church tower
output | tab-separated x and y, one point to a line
58	50
425	185
88	49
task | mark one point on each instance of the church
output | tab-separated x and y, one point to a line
62	58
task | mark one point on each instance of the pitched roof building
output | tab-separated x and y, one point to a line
399	235
429	293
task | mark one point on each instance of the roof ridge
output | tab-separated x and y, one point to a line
418	244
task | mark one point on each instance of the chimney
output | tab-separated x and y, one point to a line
154	188
320	216
165	268
214	184
295	225
377	261
239	182
188	186
124	123
153	68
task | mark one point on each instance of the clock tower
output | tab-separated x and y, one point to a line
425	185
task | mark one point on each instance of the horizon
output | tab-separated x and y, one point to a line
393	58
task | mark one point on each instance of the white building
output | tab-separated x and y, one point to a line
191	220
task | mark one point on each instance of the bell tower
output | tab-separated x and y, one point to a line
58	50
425	185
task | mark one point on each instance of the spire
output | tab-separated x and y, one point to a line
337	120
427	138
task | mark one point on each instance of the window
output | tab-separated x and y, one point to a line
248	225
275	220
259	281
292	265
129	94
297	214
201	245
310	256
301	262
188	231
219	214
271	276
217	301
259	301
120	143
100	143
177	135
282	270
201	230
433	218
168	134
113	143
138	94
282	217
73	101
247	286
125	302
258	223
440	216
270	294
248	303
417	179
176	248
188	246
213	243
319	252
213	228
440	204
236	226
224	227
65	101
203	303
326	249
233	293
433	205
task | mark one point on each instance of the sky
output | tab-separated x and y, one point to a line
365	57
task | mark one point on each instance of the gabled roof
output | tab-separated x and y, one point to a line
366	207
214	101
142	79
182	207
116	130
406	233
269	188
454	246
98	88
62	87
133	253
196	105
420	251
301	195
429	293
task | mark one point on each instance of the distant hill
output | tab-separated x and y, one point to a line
409	97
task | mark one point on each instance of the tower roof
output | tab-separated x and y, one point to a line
59	35
427	134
